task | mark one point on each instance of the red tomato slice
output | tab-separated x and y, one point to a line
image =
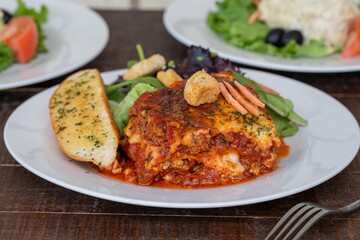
21	36
352	46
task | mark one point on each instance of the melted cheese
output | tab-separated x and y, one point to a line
177	138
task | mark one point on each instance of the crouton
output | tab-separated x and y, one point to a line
168	77
145	67
82	121
201	88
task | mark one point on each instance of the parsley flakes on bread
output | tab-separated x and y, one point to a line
82	120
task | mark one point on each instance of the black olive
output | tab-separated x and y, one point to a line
6	16
292	35
274	37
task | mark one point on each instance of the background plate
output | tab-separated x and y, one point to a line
75	36
318	152
188	26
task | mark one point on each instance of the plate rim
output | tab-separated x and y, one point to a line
248	61
74	66
181	205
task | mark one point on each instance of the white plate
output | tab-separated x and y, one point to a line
75	36
188	25
318	152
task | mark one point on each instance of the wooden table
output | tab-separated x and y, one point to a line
32	208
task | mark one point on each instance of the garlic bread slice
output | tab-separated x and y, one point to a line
82	120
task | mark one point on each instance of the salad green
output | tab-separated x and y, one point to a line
141	55
123	94
121	110
6	56
280	109
120	102
111	89
230	21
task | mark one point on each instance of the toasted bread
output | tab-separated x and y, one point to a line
82	121
168	77
201	88
145	67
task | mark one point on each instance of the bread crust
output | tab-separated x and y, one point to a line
82	120
145	67
201	88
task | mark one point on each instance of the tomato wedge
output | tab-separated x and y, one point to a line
352	45
21	35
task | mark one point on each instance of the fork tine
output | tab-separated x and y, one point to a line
310	223
282	221
301	221
296	216
305	215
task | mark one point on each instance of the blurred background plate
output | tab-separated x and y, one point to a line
75	36
185	20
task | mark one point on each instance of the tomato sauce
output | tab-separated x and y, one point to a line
284	151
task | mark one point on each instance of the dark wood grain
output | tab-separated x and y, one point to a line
112	226
32	208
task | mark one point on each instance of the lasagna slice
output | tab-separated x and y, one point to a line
212	144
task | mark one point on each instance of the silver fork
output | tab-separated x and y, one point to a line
301	217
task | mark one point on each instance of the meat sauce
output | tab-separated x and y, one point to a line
169	143
211	144
130	176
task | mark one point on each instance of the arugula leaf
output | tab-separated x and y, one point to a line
40	17
296	119
280	105
283	127
280	109
6	56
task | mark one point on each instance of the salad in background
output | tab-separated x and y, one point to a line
21	34
290	29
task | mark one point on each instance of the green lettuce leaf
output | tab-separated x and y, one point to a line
230	21
112	90
121	111
6	56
